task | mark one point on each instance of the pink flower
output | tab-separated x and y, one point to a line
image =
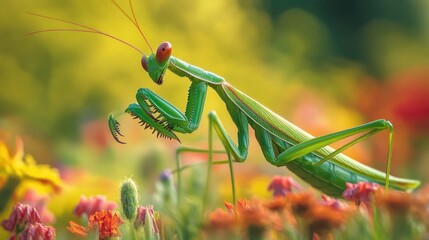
360	192
333	203
22	214
38	231
39	202
91	205
142	212
282	185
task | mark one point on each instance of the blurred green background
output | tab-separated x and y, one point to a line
323	65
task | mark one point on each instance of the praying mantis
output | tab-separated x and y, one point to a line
282	143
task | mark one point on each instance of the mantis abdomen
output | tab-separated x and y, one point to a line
276	135
329	178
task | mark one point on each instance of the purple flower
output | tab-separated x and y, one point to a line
165	176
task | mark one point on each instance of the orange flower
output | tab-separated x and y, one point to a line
252	217
276	204
323	219
107	223
419	208
221	219
395	202
301	203
77	229
254	214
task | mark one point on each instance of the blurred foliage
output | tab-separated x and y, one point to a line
323	65
348	25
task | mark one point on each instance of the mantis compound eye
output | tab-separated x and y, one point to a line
144	63
163	52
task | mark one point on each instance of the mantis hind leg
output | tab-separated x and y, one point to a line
317	143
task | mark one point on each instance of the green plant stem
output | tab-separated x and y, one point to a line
7	190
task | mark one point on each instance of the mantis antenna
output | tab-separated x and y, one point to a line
85	30
133	20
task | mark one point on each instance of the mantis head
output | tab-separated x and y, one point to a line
157	63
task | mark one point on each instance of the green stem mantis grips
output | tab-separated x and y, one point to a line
282	143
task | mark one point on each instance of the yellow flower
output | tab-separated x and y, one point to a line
22	167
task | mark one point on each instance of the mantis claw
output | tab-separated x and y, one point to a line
114	129
158	124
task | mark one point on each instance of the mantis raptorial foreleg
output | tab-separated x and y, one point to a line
171	118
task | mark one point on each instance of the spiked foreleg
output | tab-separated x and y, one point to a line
195	105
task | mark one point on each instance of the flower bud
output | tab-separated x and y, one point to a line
129	198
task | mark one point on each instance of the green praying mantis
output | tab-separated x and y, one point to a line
282	143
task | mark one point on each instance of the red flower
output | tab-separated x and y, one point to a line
22	214
361	192
38	231
91	205
282	185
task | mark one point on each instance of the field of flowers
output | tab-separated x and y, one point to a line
325	66
291	212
